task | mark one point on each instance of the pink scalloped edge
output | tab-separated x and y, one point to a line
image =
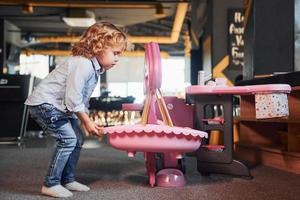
154	129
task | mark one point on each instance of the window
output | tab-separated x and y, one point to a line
36	65
127	78
173	76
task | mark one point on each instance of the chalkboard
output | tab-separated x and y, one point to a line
236	38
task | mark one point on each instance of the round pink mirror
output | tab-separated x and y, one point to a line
153	74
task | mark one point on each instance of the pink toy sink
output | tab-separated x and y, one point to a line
154	138
149	136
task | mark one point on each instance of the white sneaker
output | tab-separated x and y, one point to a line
56	191
75	186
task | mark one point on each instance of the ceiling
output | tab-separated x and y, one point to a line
43	18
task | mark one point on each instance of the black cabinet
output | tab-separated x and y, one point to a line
14	90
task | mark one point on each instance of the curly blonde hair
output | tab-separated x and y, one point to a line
97	38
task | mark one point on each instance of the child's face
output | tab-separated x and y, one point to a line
109	58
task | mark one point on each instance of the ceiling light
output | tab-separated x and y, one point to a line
80	18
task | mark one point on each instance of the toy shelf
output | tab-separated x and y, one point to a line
273	142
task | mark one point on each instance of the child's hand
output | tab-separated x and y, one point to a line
100	130
92	128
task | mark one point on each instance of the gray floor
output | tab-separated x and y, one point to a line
112	175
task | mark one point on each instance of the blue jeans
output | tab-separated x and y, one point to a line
69	137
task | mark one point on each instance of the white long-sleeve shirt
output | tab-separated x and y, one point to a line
69	86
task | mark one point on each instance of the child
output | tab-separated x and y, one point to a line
63	97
